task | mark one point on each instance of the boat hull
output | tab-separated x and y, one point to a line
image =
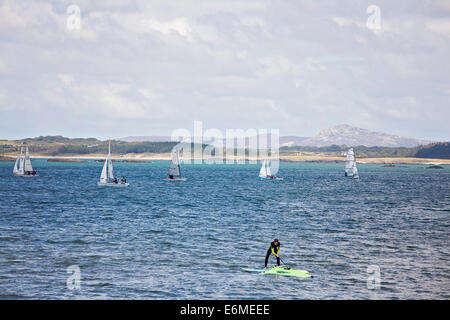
175	179
282	272
117	185
25	175
271	179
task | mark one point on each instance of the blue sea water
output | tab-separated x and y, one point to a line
190	240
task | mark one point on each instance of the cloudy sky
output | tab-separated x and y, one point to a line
149	67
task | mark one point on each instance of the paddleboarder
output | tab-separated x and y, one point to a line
274	248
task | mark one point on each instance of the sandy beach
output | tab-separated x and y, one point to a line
284	158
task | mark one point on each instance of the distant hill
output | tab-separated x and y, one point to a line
353	136
434	151
58	145
146	139
58	139
337	135
332	141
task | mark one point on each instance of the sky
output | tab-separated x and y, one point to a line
140	68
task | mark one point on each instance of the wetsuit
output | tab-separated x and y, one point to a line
272	249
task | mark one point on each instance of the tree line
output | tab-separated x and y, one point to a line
59	145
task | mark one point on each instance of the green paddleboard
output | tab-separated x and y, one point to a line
282	272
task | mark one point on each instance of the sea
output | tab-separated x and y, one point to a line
386	236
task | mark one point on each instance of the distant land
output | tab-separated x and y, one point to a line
146	139
338	135
329	145
353	136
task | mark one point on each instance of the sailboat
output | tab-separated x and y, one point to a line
22	166
351	169
174	168
265	173
107	178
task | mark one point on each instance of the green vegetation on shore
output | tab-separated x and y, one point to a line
432	151
435	150
58	145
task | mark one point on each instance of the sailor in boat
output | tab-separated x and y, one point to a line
274	248
115	181
34	172
170	176
123	180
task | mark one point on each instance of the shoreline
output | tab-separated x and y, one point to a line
168	156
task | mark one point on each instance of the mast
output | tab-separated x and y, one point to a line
268	171
104	174
18	162
28	166
110	167
178	164
21	161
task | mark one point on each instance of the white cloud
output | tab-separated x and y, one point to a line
439	26
11	17
277	65
149	93
179	25
2	65
2	98
296	65
342	22
66	79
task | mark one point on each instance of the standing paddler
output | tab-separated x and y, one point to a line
274	248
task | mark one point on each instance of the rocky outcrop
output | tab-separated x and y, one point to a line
435	167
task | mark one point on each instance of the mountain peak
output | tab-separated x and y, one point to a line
345	134
342	134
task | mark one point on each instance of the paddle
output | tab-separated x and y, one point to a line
285	263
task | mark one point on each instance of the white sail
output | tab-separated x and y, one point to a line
107	174
21	161
263	172
28	166
268	172
110	166
104	175
174	168
355	172
21	165
16	168
110	170
18	165
349	163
